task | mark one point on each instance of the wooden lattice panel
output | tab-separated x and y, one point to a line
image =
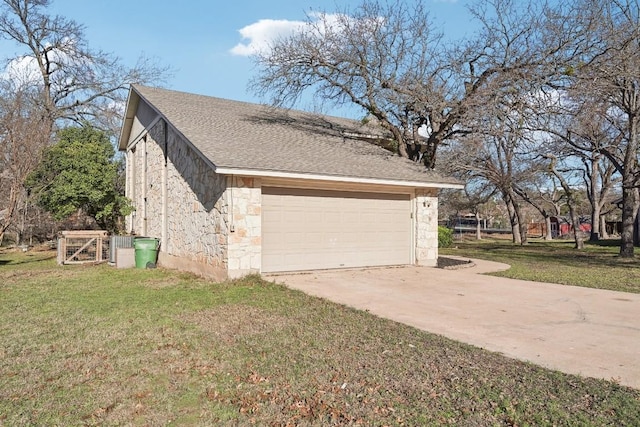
83	246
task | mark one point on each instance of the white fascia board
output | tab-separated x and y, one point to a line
130	111
350	179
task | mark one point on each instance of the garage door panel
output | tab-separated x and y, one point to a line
318	229
313	216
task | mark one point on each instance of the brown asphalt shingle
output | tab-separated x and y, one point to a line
240	135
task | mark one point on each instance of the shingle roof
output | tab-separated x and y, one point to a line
244	136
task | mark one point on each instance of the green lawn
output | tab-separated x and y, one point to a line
93	345
597	266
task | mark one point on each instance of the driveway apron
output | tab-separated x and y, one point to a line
589	332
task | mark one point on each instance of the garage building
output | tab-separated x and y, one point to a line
232	188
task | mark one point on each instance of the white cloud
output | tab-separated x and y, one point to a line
22	71
260	35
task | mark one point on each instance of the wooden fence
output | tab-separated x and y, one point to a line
83	246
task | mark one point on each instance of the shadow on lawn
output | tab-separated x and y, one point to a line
29	258
609	243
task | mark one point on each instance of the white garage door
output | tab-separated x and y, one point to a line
317	229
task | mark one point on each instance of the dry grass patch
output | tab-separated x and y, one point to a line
155	347
236	322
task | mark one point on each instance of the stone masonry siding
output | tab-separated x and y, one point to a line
245	239
196	210
137	187
155	163
426	227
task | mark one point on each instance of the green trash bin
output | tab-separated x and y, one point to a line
146	251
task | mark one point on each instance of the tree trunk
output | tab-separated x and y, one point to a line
397	135
595	222
575	222
429	154
594	198
629	192
547	225
629	215
513	220
478	227
522	226
515	231
11	207
604	234
523	230
636	237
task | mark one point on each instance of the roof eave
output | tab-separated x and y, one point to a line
335	178
132	106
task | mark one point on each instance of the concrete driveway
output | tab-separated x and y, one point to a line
589	332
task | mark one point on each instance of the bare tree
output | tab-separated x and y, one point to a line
610	74
23	134
541	197
588	138
381	59
388	61
578	123
598	178
57	78
571	197
75	82
492	158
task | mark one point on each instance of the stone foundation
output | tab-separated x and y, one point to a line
185	264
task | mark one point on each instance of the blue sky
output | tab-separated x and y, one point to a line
196	37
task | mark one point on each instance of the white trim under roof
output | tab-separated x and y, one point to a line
293	175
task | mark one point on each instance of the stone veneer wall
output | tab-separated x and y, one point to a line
196	209
426	227
245	239
136	186
153	192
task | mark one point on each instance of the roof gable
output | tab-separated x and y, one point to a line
239	136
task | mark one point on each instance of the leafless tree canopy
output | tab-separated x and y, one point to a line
540	85
389	60
604	87
380	58
23	134
76	82
56	80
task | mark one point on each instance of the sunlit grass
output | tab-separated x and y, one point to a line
597	266
94	345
